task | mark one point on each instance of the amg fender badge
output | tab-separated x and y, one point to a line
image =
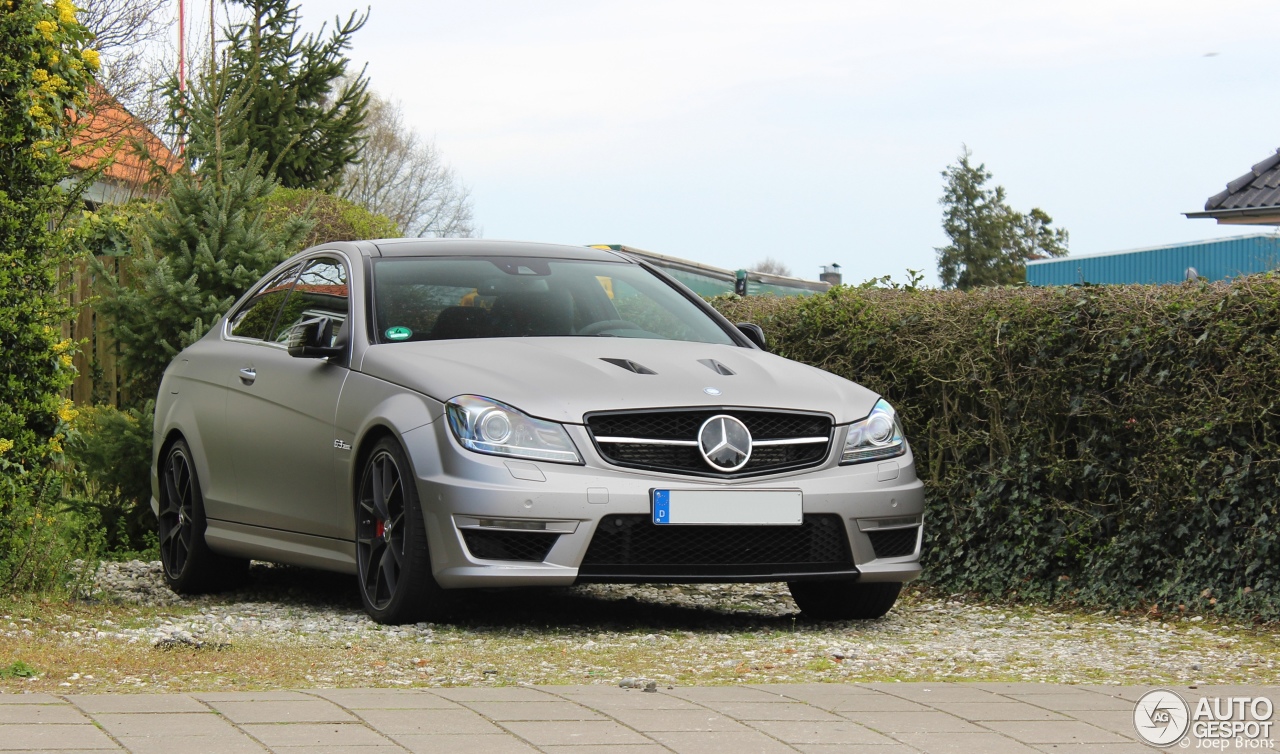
340	445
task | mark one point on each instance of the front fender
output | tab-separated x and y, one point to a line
369	407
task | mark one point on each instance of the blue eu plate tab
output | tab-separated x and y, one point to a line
728	507
662	506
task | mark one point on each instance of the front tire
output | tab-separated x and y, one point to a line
190	567
394	565
844	600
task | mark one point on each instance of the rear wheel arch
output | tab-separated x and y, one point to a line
194	446
189	565
173	436
158	458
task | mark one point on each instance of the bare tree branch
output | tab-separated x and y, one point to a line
130	35
403	176
771	266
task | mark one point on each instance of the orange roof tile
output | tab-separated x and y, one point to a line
110	129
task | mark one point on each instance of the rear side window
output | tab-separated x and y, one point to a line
256	317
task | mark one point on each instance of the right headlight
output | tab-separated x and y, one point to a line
488	426
875	437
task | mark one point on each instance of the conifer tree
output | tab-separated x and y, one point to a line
205	247
990	241
302	112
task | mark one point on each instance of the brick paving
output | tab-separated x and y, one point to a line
872	718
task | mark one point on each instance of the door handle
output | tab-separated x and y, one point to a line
248	375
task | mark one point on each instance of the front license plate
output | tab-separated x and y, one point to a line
744	507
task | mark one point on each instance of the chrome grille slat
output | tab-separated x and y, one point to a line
645	441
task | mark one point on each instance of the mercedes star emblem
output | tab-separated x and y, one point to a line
725	443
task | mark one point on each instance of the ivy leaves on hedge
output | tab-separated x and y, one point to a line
1114	446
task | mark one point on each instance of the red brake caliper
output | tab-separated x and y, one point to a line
381	528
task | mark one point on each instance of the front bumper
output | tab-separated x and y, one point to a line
462	491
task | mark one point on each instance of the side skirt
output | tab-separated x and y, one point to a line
278	546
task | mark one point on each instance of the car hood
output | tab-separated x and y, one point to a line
562	379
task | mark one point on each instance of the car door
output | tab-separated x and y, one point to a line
213	360
283	409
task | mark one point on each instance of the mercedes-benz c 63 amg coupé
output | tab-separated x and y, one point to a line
437	415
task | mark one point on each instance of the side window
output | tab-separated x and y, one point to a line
321	291
255	318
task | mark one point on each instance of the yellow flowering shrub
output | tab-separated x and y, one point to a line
41	92
56	57
67	412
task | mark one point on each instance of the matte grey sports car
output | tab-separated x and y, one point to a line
434	415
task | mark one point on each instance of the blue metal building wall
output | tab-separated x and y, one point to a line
1218	259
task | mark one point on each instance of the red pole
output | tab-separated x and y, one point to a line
182	46
182	67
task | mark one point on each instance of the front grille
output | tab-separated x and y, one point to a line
894	543
684	424
631	545
509	545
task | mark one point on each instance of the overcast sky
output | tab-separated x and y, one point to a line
815	132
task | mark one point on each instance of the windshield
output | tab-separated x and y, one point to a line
443	298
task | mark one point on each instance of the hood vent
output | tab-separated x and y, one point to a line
716	367
632	366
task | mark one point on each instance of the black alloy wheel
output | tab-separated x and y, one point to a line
381	529
394	567
177	522
190	567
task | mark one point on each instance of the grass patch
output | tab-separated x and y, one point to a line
576	638
18	669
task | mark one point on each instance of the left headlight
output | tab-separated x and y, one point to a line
875	437
488	426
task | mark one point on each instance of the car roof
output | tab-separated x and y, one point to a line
414	247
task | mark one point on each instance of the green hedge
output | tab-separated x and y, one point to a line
1107	446
335	219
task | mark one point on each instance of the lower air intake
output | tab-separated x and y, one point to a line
632	547
509	545
894	543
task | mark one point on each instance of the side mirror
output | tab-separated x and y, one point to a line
313	339
755	334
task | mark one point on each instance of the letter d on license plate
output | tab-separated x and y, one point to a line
740	507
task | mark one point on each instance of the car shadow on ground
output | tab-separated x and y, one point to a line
575	609
537	608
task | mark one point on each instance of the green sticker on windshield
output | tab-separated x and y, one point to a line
398	333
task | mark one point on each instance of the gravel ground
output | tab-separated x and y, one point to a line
608	634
